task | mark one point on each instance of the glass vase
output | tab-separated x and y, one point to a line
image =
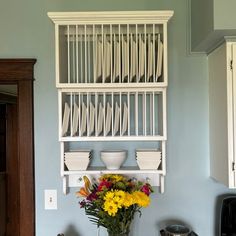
125	232
118	234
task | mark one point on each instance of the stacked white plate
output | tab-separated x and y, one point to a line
148	159
77	160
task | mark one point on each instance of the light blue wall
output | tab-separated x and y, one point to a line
190	194
224	14
211	20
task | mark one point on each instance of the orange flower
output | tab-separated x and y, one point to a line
83	192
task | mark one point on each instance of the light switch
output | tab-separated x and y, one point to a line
50	199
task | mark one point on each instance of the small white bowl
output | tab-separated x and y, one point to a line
113	159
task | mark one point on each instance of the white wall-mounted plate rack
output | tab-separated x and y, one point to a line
111	75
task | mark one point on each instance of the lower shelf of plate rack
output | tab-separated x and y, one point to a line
75	178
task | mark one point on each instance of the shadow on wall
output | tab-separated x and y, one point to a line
70	231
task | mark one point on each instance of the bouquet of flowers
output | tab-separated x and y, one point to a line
113	201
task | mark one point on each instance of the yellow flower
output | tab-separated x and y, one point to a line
118	178
120	194
118	201
128	201
112	177
109	196
141	199
110	207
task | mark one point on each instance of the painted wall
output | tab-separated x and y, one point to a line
190	194
202	21
224	14
211	21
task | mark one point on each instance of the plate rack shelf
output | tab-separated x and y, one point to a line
111	75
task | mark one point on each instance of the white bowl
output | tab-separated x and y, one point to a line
113	159
149	164
77	165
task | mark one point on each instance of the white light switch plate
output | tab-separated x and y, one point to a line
50	199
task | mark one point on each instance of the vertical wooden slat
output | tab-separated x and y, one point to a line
57	54
128	56
153	38
112	114
145	52
136	59
153	113
103	66
94	56
88	61
68	53
145	113
121	113
80	110
129	115
136	113
88	113
104	113
96	114
77	54
111	62
119	57
81	57
73	58
165	69
85	54
71	113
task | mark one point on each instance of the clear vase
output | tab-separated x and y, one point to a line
125	232
118	234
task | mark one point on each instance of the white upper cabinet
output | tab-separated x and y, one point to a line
222	113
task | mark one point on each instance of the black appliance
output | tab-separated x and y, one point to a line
228	216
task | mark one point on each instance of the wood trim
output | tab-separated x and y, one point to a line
20	72
12	186
26	152
15	70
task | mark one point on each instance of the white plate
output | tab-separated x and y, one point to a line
125	119
98	61
159	57
100	119
141	57
75	119
150	58
83	119
131	70
134	63
107	65
95	59
66	117
108	119
124	59
117	119
160	60
91	118
116	72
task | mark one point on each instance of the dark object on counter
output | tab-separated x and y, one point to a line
177	230
228	216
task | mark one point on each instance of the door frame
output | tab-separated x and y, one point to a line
21	73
